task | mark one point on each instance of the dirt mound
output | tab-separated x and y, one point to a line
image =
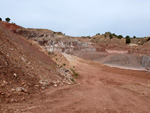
24	67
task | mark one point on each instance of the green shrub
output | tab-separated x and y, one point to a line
134	36
50	53
83	37
128	39
110	35
98	34
0	19
127	36
59	33
74	73
120	36
72	79
114	34
148	39
88	37
7	19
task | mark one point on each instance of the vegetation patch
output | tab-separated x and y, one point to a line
50	53
128	40
74	73
119	36
148	39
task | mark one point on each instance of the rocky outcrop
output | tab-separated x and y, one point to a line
56	41
34	33
68	46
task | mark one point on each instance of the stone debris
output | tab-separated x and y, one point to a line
44	83
21	89
15	75
55	85
23	59
67	73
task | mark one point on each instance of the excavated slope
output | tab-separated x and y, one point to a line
24	68
116	56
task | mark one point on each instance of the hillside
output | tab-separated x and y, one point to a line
43	71
106	48
25	69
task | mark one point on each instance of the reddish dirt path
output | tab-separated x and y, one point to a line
100	89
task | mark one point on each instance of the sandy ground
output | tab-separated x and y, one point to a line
100	89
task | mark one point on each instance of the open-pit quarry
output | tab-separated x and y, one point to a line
111	56
72	74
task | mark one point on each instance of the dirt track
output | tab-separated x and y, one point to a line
99	90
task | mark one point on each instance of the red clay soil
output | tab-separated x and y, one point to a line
11	26
100	89
22	64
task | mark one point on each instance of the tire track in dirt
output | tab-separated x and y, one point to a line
97	91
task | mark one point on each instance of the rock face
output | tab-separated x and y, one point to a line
145	62
100	48
68	46
34	33
55	41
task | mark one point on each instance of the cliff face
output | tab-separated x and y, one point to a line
68	46
53	41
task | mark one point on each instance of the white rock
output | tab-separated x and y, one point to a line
21	89
55	85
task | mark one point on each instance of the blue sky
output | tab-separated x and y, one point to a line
81	17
